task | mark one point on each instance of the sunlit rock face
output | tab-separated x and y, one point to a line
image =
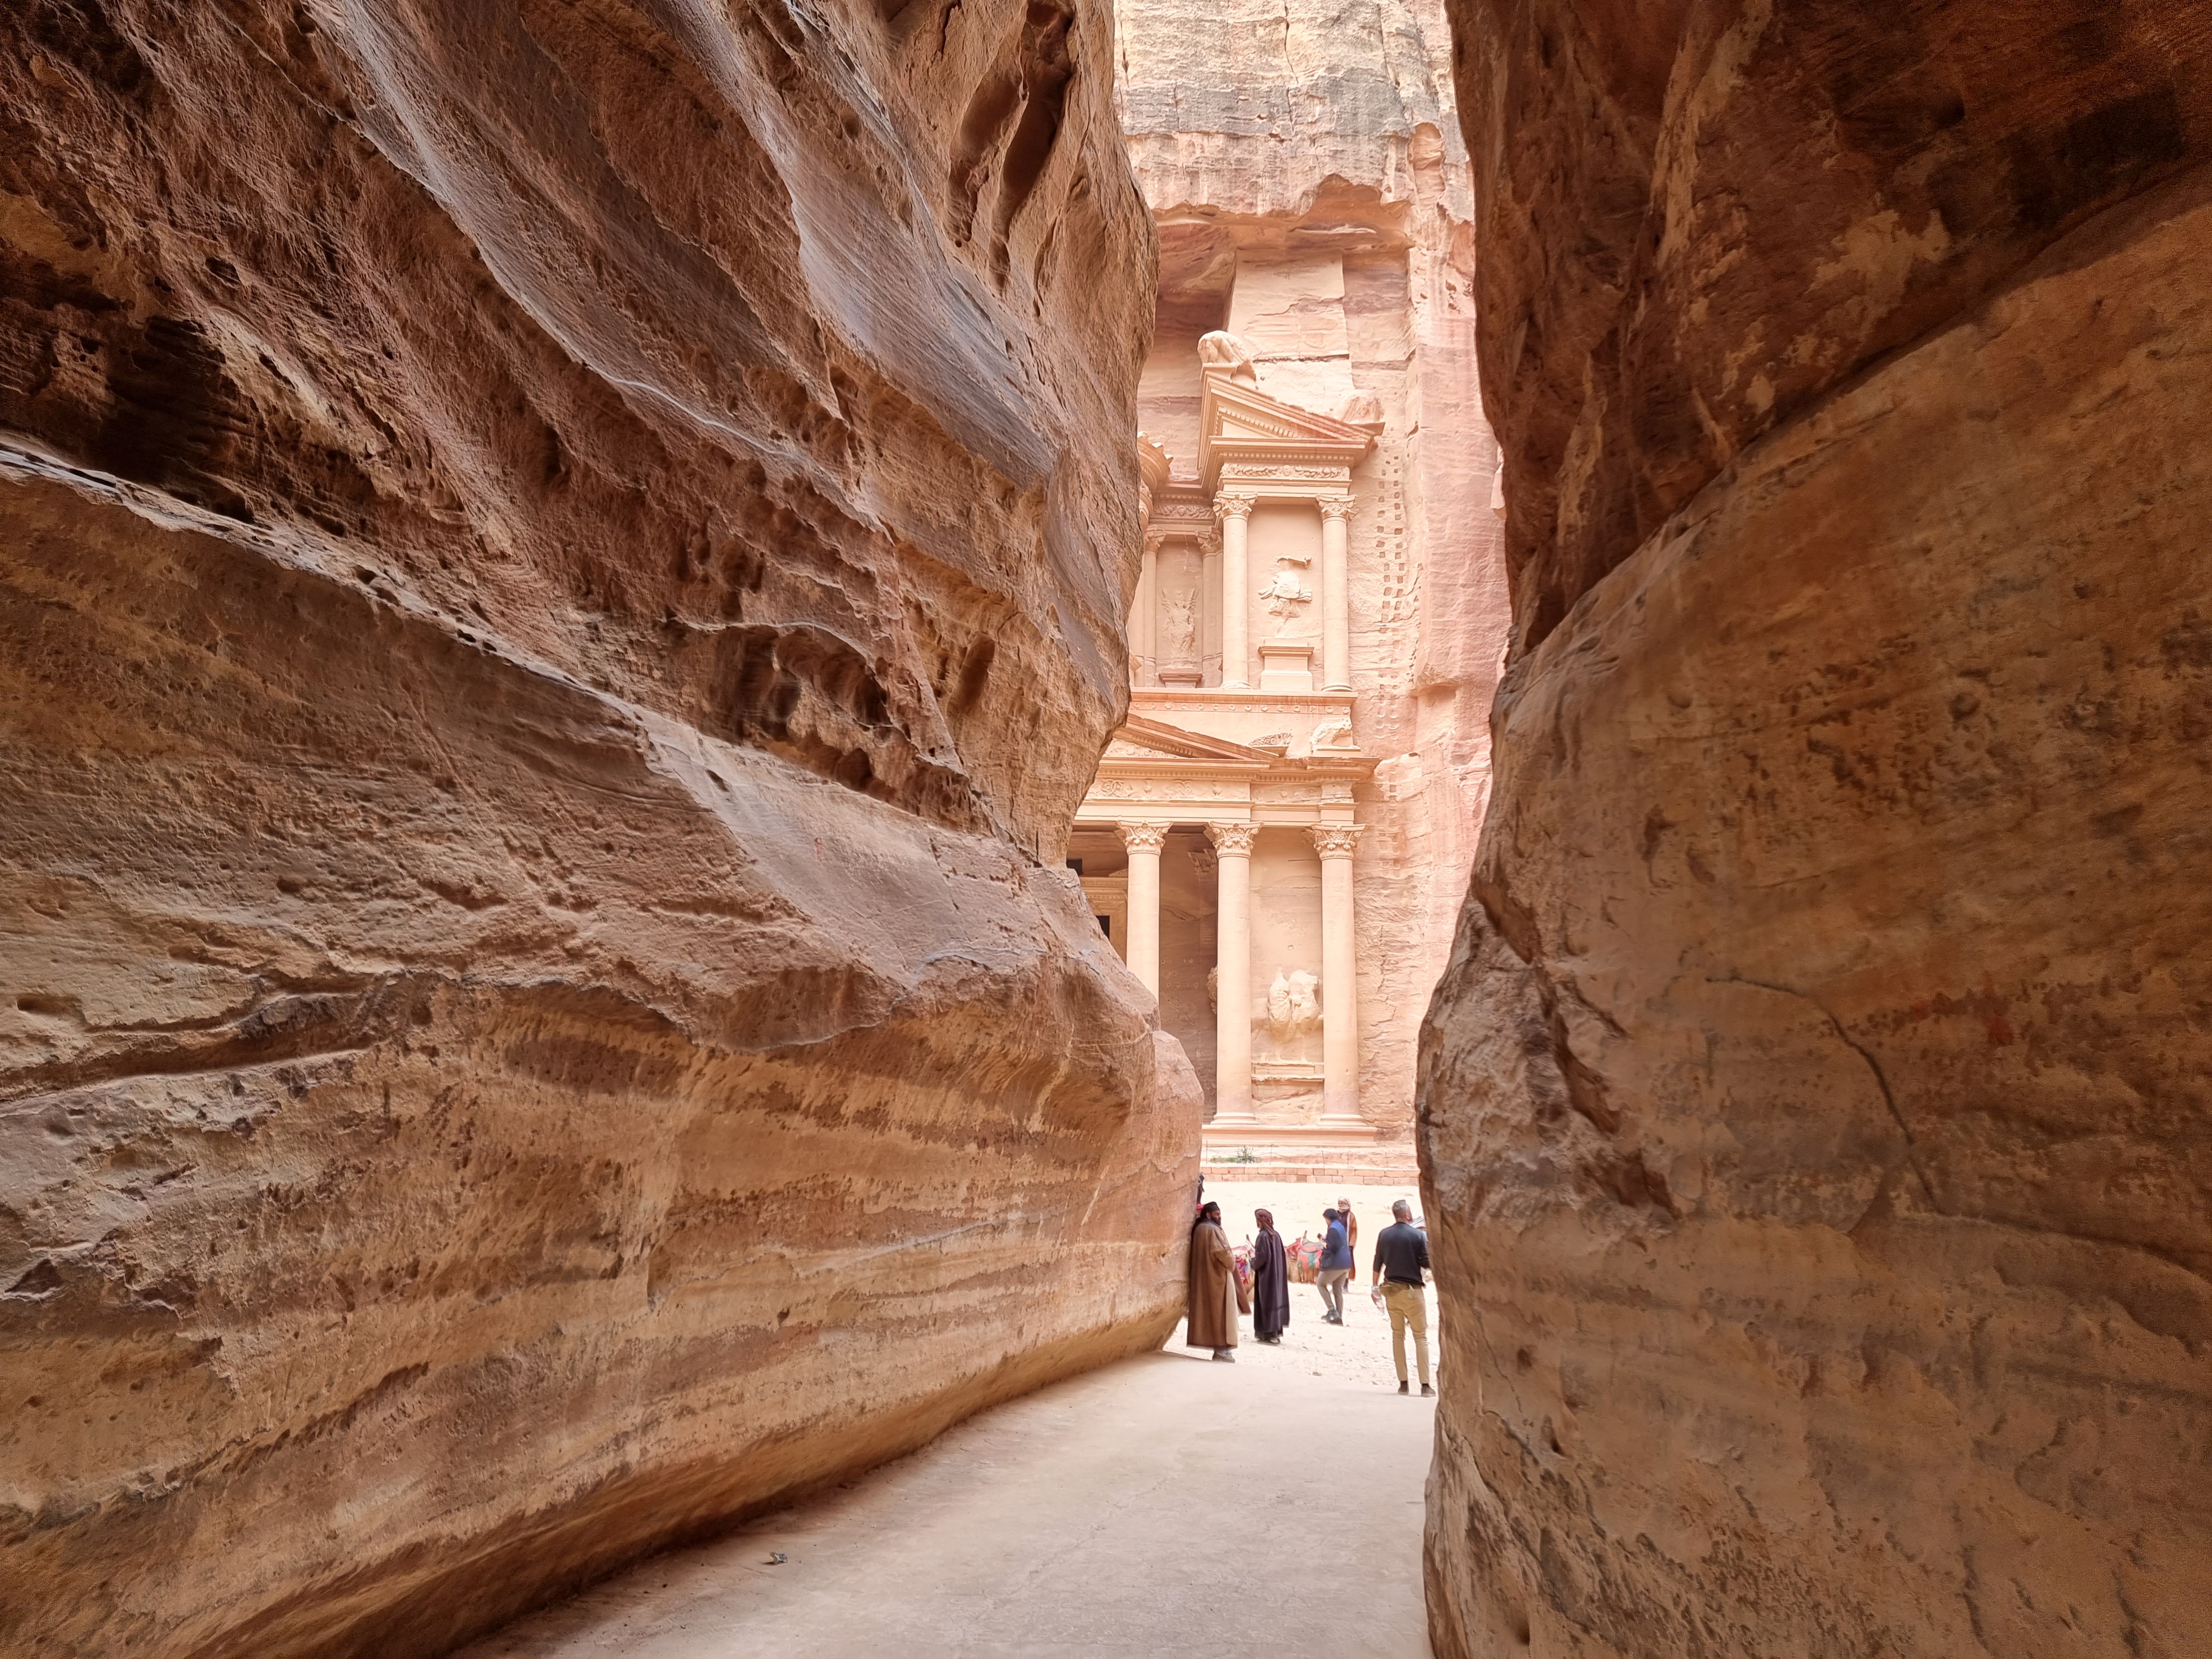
560	578
1816	1114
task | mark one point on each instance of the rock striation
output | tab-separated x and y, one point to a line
562	571
1814	1115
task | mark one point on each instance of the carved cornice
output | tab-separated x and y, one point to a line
1335	840
1143	837
1232	841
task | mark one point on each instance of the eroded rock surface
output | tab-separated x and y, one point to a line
561	575
1815	1114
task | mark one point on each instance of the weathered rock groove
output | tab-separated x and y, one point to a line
1815	1114
562	570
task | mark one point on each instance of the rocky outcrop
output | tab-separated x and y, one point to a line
1814	1115
561	579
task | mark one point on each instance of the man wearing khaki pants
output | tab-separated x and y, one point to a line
1401	1257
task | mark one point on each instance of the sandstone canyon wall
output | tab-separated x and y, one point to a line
561	577
1304	163
1815	1114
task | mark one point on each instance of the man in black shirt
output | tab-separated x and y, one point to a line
1401	1257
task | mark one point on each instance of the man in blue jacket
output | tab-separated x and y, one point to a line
1333	1267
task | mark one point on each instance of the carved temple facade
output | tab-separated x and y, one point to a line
1279	837
1220	844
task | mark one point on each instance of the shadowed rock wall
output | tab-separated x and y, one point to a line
560	578
1815	1115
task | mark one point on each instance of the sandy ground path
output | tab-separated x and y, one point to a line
1166	1506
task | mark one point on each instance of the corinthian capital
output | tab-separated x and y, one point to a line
1335	840
1233	504
1338	506
1232	841
1142	838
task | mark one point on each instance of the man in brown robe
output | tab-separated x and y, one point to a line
1216	1297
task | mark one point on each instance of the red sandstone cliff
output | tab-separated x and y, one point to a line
561	577
1815	1114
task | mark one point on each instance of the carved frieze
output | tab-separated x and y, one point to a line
1181	513
1244	471
1179	788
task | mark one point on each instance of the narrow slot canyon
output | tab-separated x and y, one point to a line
704	708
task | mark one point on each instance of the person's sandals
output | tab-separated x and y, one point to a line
1427	1393
1225	1356
1405	1387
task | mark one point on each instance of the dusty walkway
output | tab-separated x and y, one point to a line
1164	1506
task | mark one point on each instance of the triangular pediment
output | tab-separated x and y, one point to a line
1140	739
1239	422
1235	411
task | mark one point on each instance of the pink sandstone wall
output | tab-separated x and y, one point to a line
562	573
1816	1129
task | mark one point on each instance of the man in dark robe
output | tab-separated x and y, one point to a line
1216	1297
1271	1281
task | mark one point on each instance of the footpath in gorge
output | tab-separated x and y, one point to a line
1165	1505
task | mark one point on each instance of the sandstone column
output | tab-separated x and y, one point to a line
1232	995
1335	594
1235	512
1339	976
1143	842
1144	651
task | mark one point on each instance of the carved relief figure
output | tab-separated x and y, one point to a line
1293	1005
1334	734
1284	592
1181	620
